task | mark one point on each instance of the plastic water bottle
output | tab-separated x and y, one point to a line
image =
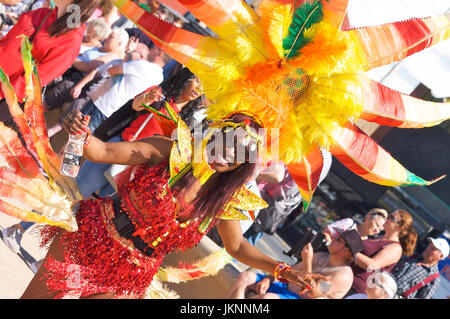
73	153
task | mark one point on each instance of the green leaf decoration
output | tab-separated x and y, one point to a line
304	17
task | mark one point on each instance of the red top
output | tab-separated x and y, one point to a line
108	263
150	129
53	55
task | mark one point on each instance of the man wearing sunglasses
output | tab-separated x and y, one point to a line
418	277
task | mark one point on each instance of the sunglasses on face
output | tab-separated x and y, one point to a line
379	214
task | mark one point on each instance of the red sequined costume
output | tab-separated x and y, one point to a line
98	260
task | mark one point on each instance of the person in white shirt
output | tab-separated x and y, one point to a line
114	47
96	33
122	81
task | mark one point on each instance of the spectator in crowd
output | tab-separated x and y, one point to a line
55	44
123	80
14	8
382	254
2	18
333	264
109	13
182	90
382	286
113	48
418	276
96	33
280	191
373	224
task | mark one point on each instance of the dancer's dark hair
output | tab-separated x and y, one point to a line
220	190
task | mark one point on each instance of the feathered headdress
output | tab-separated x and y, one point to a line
298	66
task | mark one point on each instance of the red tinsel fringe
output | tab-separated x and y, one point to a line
95	261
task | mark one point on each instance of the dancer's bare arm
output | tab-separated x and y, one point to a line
151	150
238	247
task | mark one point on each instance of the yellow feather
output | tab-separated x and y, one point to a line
250	47
275	19
306	98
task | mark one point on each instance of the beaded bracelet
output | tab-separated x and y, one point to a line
87	139
278	271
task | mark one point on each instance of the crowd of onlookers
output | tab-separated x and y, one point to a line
376	259
118	68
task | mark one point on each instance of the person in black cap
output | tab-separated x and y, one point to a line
333	264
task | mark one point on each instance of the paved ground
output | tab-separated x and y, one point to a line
14	272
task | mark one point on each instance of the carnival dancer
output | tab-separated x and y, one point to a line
121	242
294	68
181	91
167	201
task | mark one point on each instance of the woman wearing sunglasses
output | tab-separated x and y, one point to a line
381	254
